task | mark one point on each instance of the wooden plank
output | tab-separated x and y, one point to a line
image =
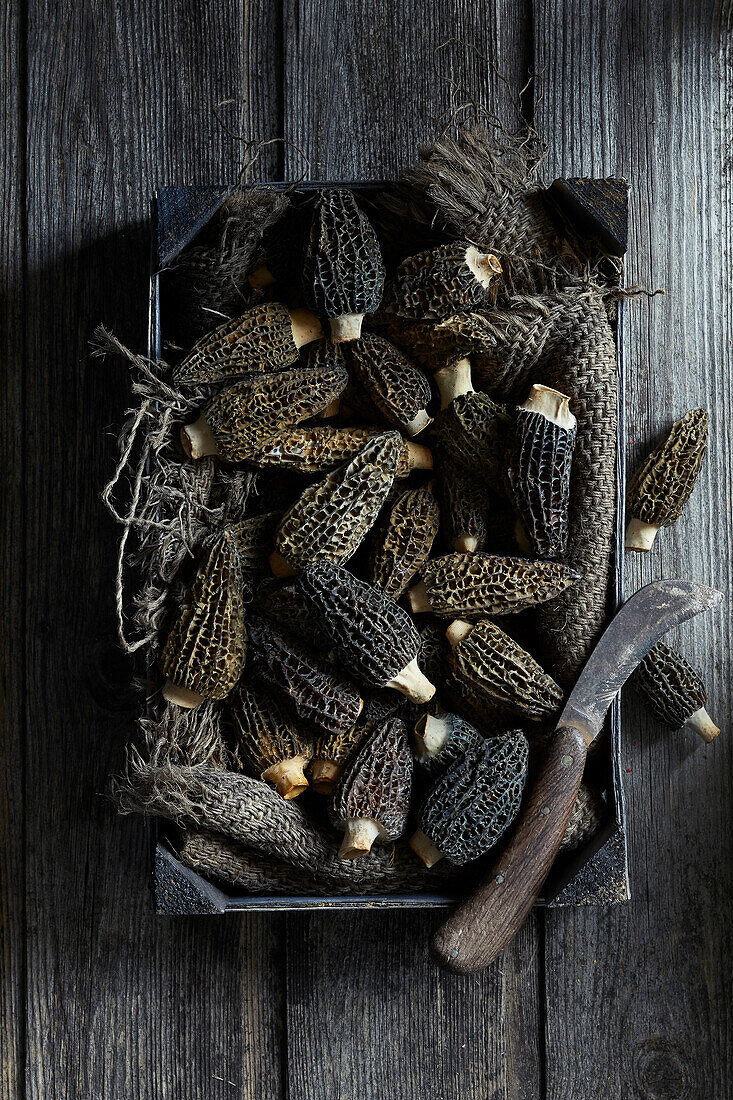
369	1014
12	570
645	92
120	1003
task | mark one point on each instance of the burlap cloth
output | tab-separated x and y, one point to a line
548	323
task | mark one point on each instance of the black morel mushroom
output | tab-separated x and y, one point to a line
375	639
272	745
267	337
402	540
441	739
372	798
441	281
474	802
538	473
471	429
464	506
254	537
343	274
491	663
331	518
204	655
398	389
674	691
319	696
660	489
242	418
476	585
330	754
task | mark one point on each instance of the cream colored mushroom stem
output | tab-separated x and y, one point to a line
702	724
181	696
198	440
413	683
640	536
423	847
483	265
306	327
417	457
457	632
419	599
360	834
288	776
419	422
454	381
465	544
551	404
346	328
324	775
431	735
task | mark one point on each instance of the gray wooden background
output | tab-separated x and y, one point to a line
102	102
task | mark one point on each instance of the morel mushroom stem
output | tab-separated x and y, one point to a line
288	776
198	440
702	723
418	598
346	328
453	381
324	774
484	265
181	696
457	631
418	422
360	834
431	734
306	327
640	536
418	457
260	277
551	404
413	683
424	848
465	544
280	567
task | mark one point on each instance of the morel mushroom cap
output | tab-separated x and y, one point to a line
284	605
471	428
316	450
204	655
343	273
402	540
476	585
330	754
674	691
331	518
317	695
398	389
271	743
375	638
253	537
372	798
267	337
464	506
474	802
242	418
660	489
441	281
441	739
422	341
492	663
538	475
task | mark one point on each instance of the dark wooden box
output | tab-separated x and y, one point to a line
597	874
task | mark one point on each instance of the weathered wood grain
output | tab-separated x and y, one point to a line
120	1003
365	990
12	399
645	92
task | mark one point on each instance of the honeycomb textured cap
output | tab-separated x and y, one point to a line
499	670
464	505
260	340
660	489
245	416
402	541
331	518
319	696
377	782
437	283
473	432
374	637
398	389
343	272
458	738
475	801
669	685
538	479
206	646
265	732
472	586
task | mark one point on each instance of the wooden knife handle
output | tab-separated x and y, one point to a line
483	925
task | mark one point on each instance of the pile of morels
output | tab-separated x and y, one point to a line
354	633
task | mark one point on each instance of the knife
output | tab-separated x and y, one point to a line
488	920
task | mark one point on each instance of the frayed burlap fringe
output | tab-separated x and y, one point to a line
252	814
